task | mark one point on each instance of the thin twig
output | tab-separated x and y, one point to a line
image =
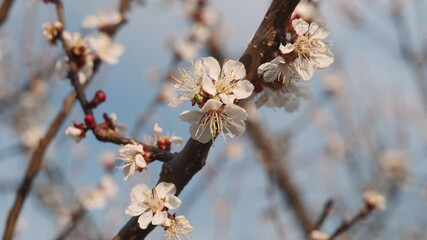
325	213
345	225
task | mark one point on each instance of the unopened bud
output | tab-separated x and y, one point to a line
90	121
99	98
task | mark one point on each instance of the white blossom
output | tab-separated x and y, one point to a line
214	118
277	70
118	127
311	52
189	82
133	157
73	40
151	204
62	68
51	30
374	199
101	19
177	227
226	84
76	134
105	48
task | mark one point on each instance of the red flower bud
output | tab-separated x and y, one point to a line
99	97
90	121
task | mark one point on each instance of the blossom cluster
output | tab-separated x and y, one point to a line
296	60
82	52
151	206
216	92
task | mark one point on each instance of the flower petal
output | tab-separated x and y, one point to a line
202	135
234	70
211	104
212	67
145	219
135	209
159	218
192	116
163	189
286	49
300	26
140	161
172	202
243	89
138	192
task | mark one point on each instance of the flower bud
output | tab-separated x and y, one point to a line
90	121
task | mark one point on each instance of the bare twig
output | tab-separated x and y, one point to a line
325	213
345	225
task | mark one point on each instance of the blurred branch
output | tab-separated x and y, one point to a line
35	165
4	10
37	157
192	158
272	163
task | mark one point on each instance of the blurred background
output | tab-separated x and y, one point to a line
364	126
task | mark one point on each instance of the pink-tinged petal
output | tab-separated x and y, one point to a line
305	68
140	161
163	189
300	26
208	86
192	116
159	218
226	99
243	89
322	59
286	49
234	70
135	209
211	104
202	135
172	202
318	31
145	219
212	67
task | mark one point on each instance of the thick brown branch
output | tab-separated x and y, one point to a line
192	158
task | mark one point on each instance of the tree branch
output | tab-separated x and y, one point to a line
192	158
